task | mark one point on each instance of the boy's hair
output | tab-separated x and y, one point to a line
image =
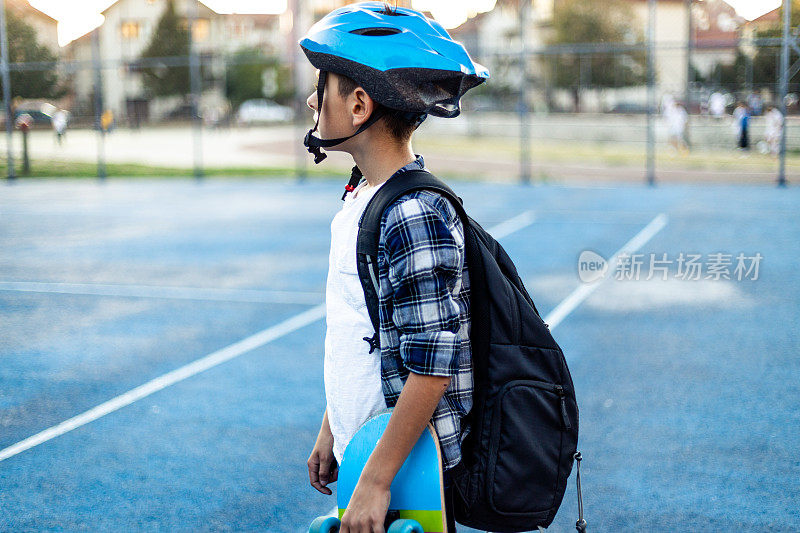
399	128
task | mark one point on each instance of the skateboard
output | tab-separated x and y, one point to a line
417	502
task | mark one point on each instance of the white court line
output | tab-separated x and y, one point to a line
204	363
178	293
583	291
499	231
511	225
209	361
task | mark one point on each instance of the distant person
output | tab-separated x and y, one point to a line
107	120
773	129
676	118
741	118
716	104
755	103
667	101
59	122
211	116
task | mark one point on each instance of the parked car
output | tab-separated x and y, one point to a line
259	110
41	112
628	108
180	112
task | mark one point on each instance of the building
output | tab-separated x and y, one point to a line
45	26
496	33
717	34
770	19
126	32
671	39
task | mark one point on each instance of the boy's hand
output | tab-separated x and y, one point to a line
366	511
322	465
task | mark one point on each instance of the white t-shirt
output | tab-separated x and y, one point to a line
774	123
676	120
352	374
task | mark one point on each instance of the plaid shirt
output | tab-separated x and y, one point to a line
424	306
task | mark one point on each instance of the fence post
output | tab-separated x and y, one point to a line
787	7
196	90
524	126
6	91
689	71
98	104
651	93
299	82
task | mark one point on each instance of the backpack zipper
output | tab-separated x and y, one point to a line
562	396
552	387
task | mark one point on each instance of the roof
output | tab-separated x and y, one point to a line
26	7
771	16
716	25
103	12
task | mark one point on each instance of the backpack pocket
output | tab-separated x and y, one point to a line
529	420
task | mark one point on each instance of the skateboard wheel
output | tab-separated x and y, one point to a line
325	524
405	526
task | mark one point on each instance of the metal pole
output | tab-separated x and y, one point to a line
689	71
787	6
26	161
194	84
524	125
651	94
299	82
748	73
98	104
6	91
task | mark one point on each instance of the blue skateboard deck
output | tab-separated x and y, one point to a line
418	488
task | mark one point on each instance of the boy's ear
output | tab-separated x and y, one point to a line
361	105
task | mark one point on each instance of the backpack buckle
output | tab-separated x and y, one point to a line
373	342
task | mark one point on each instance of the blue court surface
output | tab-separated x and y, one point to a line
161	351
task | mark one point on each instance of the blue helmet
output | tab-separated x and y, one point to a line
405	61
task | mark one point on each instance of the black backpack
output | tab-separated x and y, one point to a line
524	421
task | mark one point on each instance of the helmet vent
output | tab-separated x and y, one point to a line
376	32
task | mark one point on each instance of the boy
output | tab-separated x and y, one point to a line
390	68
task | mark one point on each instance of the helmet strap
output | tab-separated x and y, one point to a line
355	179
313	144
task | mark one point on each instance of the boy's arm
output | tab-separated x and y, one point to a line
370	501
412	413
424	260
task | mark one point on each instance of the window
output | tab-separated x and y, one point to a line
201	30
130	29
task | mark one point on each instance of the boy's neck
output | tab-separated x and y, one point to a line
378	165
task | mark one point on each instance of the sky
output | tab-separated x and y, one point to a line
77	17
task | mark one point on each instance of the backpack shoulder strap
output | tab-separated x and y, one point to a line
413	180
369	230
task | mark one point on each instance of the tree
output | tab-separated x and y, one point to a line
582	21
251	74
731	76
767	58
171	39
23	47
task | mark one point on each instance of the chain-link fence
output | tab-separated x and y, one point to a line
549	112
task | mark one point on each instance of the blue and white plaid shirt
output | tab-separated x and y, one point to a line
424	306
